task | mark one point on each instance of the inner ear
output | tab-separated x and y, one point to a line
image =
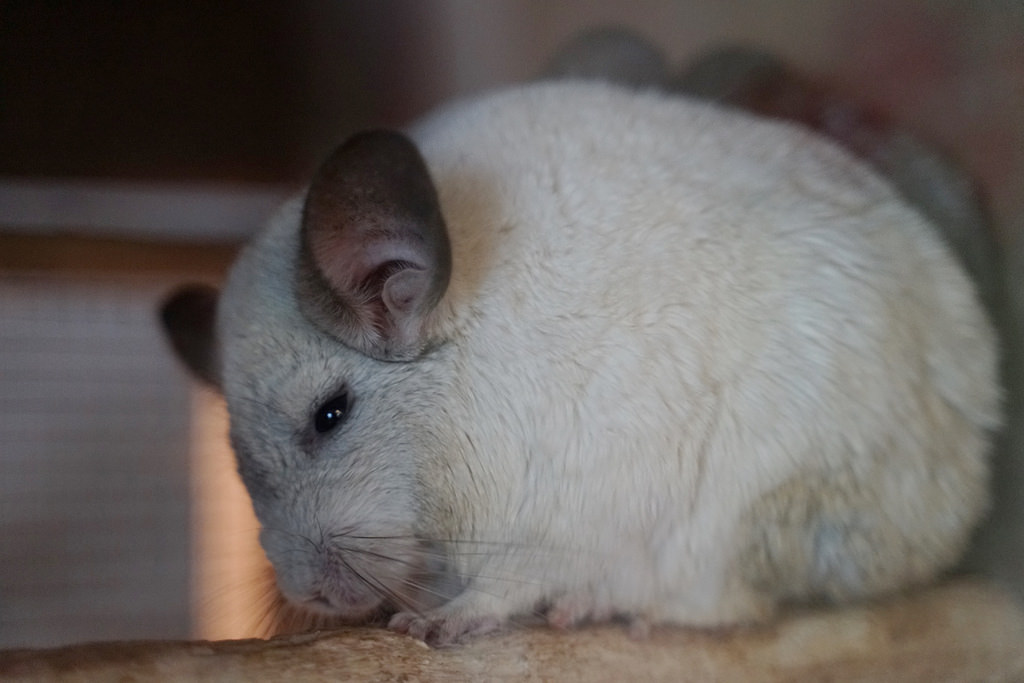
375	257
402	290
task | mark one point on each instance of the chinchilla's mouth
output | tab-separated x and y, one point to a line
418	579
323	614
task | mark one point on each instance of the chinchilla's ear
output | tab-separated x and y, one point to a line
188	317
375	258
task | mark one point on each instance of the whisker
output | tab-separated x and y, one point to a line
270	607
444	548
377	555
375	585
447	541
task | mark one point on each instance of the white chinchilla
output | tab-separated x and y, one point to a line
576	350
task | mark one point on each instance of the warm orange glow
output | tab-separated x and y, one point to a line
229	584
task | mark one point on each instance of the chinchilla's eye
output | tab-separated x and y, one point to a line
331	414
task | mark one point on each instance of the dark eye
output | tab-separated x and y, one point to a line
331	414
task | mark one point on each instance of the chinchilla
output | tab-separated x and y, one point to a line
581	350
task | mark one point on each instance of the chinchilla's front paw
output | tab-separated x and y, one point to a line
443	627
572	610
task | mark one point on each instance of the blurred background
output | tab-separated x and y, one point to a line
140	143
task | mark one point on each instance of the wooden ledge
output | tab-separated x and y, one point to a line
961	631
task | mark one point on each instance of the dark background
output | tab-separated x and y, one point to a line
233	90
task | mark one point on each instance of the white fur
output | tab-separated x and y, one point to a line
670	328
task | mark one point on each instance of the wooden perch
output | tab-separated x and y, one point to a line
960	631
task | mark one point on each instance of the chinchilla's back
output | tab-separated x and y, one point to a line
726	248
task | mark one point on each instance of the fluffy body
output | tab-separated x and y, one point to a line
690	364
